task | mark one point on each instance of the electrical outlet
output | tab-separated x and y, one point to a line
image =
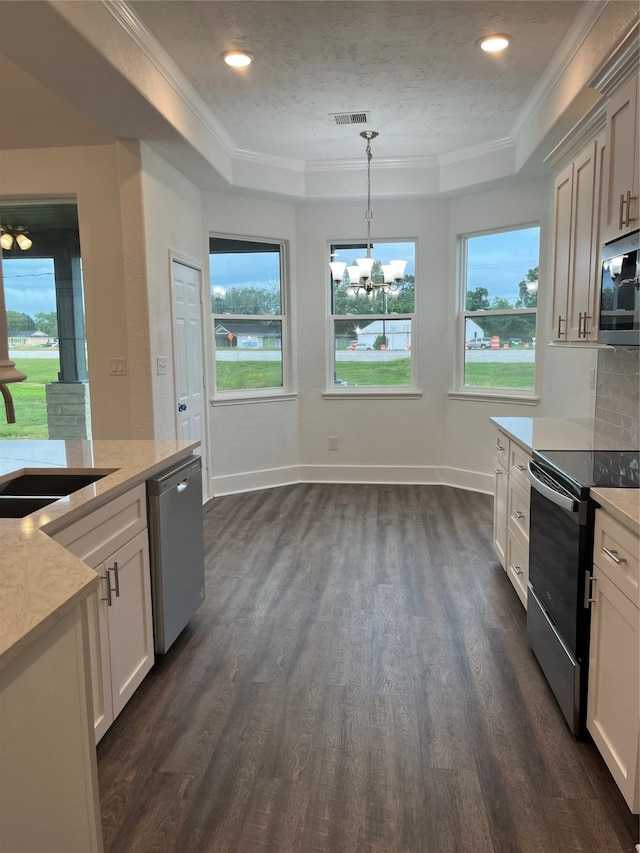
333	442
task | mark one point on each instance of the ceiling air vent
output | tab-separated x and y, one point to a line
350	118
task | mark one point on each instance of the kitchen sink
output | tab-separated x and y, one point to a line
18	507
52	484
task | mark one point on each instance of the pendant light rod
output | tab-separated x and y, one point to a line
369	135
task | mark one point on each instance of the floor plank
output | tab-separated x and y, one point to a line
358	680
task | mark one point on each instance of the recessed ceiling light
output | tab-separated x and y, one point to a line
492	44
237	58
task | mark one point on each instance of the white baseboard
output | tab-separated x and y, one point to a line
391	475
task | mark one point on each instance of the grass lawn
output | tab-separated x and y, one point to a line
29	398
511	375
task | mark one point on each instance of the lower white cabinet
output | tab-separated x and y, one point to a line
114	541
511	512
613	706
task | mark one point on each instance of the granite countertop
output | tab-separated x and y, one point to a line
576	434
39	579
558	434
622	504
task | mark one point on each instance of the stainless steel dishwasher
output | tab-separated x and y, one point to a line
176	548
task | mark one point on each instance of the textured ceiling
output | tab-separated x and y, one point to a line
414	66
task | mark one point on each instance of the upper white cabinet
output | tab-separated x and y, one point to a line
577	247
620	209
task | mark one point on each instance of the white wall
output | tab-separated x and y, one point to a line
253	444
173	224
391	439
105	180
562	375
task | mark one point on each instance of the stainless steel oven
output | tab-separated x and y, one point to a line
560	561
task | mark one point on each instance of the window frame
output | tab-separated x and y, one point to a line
481	392
368	391
249	395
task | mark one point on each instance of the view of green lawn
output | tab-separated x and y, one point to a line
31	409
29	398
240	375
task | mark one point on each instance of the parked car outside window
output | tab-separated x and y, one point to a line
479	343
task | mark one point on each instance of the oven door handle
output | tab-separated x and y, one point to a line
556	498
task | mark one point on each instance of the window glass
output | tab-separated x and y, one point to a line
247	312
372	335
500	279
44	299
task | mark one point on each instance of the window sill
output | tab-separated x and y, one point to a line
270	397
486	396
371	394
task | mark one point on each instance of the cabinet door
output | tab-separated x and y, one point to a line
620	196
583	261
130	619
563	189
614	665
500	513
99	658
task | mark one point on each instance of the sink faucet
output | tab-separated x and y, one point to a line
8	404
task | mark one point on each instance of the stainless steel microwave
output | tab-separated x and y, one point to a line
620	292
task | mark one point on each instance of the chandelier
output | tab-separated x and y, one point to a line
360	275
19	236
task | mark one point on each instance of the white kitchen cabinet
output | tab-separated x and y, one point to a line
620	209
114	541
613	705
576	267
48	775
501	492
511	512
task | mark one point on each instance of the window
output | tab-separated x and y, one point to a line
372	335
500	292
248	314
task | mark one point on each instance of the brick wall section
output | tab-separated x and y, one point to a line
68	412
618	395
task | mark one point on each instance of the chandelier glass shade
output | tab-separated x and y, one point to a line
19	236
365	276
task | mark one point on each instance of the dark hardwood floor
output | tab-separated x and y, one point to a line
358	680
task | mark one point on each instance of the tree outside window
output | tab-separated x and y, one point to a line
248	314
500	291
372	335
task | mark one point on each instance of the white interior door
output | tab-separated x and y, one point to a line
188	360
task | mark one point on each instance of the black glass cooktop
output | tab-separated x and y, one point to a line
581	469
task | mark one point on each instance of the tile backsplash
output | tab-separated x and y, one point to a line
618	395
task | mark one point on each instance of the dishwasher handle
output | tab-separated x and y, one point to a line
182	486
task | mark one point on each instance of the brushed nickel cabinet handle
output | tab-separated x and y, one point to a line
614	556
497	471
116	578
516	569
630	198
621	212
499	447
108	598
518	514
589	582
521	467
561	320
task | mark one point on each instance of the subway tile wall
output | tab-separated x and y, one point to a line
618	395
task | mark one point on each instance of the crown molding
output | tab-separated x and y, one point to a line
580	135
623	62
165	65
585	21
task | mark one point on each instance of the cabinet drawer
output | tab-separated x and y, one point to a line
518	461
615	552
502	450
97	535
518	508
518	564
